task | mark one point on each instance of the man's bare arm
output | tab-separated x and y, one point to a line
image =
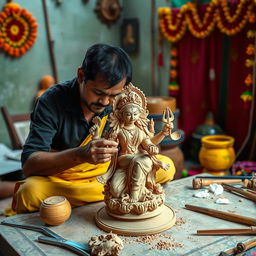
51	163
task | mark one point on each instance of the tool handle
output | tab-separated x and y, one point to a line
241	247
44	230
224	177
200	182
236	231
249	195
223	215
53	241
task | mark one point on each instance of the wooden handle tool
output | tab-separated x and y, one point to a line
250	183
240	248
222	232
240	191
223	215
200	182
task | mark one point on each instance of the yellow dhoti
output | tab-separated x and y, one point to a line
77	184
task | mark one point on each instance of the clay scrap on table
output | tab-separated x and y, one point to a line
106	245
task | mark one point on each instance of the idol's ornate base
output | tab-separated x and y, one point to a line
136	227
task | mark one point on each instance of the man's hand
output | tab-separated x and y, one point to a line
98	151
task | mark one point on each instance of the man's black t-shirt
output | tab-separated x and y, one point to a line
57	120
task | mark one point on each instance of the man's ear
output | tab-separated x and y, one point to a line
80	75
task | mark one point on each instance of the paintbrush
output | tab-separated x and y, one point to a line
223	215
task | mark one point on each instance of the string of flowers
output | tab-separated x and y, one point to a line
229	17
246	96
173	87
18	30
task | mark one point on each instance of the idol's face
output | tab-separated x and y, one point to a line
131	114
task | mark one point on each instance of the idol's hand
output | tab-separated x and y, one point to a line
153	149
98	151
167	129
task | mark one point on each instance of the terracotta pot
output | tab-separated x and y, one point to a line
217	153
55	210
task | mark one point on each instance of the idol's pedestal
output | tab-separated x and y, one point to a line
136	225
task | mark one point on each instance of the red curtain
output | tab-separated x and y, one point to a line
238	112
200	71
199	78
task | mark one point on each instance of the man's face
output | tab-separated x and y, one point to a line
96	95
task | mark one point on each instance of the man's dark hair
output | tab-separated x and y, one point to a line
109	62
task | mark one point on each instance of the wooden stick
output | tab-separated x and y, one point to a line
251	191
223	215
240	191
50	43
199	183
235	231
224	177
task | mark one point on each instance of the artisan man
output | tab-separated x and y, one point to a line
59	157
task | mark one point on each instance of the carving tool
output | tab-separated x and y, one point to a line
222	232
240	192
200	182
240	248
223	215
53	238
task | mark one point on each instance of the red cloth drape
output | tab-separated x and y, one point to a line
199	78
238	112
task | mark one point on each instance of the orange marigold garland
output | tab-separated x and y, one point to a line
173	87
230	18
18	30
246	96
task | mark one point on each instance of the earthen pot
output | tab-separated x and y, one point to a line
217	153
55	210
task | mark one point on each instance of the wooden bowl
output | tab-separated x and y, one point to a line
55	210
156	105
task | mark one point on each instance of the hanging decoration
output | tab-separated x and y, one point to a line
173	87
229	17
18	30
246	96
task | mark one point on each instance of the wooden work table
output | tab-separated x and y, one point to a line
81	226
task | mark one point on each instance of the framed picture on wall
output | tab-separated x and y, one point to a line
130	35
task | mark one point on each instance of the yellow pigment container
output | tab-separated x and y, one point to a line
217	153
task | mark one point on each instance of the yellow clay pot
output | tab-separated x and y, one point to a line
217	153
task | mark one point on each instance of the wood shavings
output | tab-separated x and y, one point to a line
159	241
164	245
180	221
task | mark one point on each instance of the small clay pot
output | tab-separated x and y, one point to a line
55	210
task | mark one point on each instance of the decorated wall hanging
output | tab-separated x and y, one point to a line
173	87
230	18
246	96
18	30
